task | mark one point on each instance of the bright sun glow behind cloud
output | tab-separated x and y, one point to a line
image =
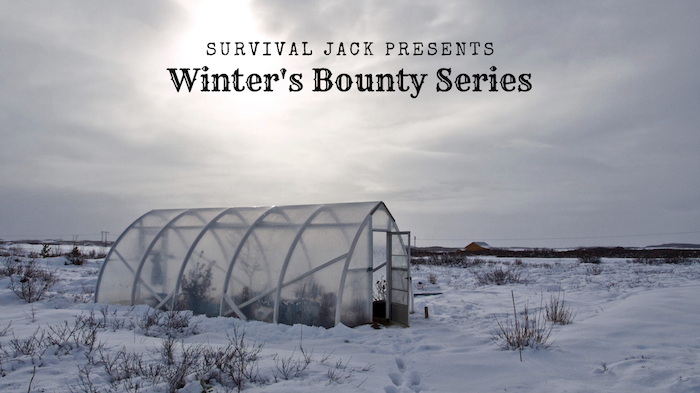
245	130
227	22
217	21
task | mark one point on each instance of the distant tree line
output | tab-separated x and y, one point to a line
602	252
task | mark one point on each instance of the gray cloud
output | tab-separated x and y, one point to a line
604	145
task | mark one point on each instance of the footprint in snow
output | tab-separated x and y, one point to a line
404	382
396	378
400	364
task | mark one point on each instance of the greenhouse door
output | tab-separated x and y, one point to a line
398	255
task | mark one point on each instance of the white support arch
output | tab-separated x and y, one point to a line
186	259
227	279
341	287
113	251
292	247
137	276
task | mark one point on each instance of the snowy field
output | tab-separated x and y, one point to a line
635	328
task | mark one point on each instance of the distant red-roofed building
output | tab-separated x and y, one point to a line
477	246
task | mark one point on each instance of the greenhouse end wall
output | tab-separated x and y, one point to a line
309	264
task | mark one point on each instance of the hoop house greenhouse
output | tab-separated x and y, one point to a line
313	264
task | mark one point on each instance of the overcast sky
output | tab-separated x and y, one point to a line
603	149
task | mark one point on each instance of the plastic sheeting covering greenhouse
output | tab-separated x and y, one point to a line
310	264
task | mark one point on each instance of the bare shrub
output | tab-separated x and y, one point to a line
446	259
94	254
179	323
235	364
3	374
171	323
557	311
86	295
148	320
91	319
340	372
167	351
677	260
6	329
121	365
645	260
438	259
337	374
594	270
11	265
67	337
432	278
526	329
181	366
84	383
588	258
17	251
288	367
31	282
472	262
501	276
110	319
32	346
61	339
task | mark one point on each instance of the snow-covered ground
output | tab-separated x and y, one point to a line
635	329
